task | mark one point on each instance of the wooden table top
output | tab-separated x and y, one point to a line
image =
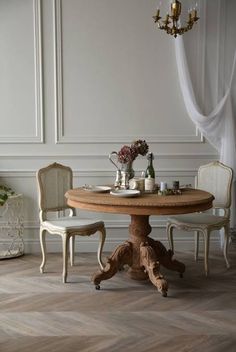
191	200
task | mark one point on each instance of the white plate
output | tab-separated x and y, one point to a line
97	189
125	193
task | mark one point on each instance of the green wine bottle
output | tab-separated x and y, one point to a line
150	172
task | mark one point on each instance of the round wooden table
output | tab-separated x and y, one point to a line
143	254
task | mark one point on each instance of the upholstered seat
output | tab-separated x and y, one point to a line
53	181
215	178
72	222
199	219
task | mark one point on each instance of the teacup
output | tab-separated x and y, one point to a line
136	183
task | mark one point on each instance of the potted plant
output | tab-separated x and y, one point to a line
5	193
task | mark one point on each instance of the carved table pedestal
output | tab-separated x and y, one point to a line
141	253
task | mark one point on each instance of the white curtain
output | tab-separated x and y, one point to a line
219	126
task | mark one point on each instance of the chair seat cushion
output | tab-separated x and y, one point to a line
72	222
198	219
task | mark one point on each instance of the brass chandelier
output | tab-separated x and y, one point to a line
171	23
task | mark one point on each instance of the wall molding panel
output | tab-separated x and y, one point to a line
38	137
60	135
58	86
201	54
221	48
38	72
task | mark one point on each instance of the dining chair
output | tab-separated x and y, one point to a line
215	178
53	182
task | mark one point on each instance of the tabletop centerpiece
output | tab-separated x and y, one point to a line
125	157
127	154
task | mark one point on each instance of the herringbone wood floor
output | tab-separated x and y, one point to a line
38	313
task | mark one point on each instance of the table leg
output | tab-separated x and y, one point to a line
165	257
144	256
122	255
151	264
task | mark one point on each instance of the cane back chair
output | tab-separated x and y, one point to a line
53	182
215	178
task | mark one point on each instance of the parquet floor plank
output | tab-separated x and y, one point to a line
38	313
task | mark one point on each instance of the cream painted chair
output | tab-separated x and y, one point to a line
53	182
215	178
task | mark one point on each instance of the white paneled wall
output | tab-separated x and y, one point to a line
79	78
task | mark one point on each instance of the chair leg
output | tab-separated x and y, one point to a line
169	230
196	238
102	234
65	247
226	241
72	250
206	244
43	249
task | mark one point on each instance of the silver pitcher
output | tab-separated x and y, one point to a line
122	177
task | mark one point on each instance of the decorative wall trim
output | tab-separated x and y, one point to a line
58	75
159	156
201	56
80	139
38	71
60	137
38	137
221	48
99	173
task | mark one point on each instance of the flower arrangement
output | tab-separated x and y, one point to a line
128	154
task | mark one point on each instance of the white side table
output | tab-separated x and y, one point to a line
11	227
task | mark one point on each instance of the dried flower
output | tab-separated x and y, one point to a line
141	146
128	154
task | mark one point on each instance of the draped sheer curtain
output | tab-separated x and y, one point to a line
219	126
